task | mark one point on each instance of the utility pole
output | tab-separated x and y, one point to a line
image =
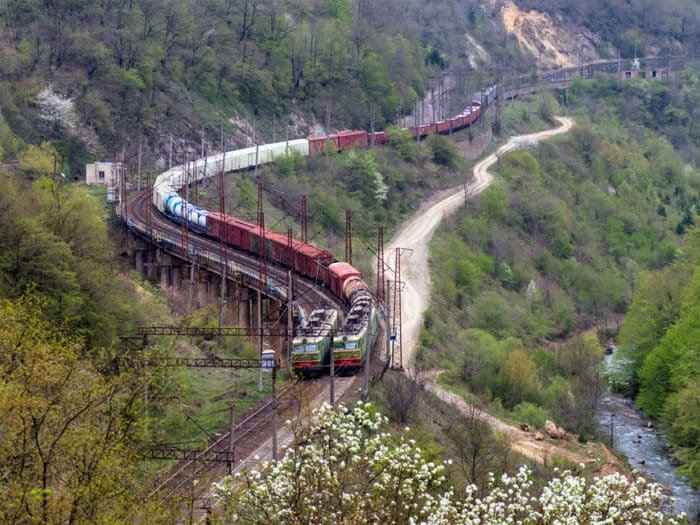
274	411
397	357
498	95
380	264
124	186
223	251
332	369
261	276
387	349
481	95
290	319
348	236
304	225
231	441
149	206
138	183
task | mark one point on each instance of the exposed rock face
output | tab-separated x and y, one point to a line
556	43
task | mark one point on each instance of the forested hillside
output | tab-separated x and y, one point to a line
150	68
660	346
71	418
559	243
93	77
96	77
88	79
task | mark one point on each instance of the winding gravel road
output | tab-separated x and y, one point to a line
416	233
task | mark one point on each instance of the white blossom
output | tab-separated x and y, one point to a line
345	469
60	111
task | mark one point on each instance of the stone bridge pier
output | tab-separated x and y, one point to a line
197	287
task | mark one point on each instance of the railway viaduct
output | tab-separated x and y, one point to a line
256	297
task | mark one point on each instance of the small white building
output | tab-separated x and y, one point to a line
103	173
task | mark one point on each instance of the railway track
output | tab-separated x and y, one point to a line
255	423
252	445
191	479
206	252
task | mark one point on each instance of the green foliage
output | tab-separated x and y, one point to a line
655	306
69	432
442	150
517	380
494	202
531	414
660	349
362	172
402	141
682	428
37	161
54	243
288	165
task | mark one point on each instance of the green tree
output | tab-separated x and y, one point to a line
38	161
402	141
69	432
517	378
443	150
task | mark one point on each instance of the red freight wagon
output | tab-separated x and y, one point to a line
338	273
476	111
350	139
281	251
215	225
379	137
308	259
229	229
317	144
238	233
442	126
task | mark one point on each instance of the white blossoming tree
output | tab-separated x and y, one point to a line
60	114
344	470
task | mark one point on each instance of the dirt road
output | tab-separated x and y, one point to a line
416	234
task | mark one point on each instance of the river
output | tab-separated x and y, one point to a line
644	447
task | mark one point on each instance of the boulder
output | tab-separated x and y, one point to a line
539	436
555	433
524	427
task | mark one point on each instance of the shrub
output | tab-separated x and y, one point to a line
531	414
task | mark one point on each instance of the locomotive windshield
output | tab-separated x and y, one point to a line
304	348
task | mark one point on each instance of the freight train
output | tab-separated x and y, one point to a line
311	346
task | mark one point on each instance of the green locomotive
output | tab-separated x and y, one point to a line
311	346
